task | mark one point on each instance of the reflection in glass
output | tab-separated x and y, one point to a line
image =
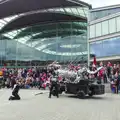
103	13
47	49
105	27
106	47
105	30
92	31
118	23
112	25
98	29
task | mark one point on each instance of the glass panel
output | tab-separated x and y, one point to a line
61	9
109	46
1	25
9	36
23	39
2	21
98	48
106	47
74	11
112	25
103	13
11	50
98	29
105	28
8	19
92	31
118	23
63	48
2	51
81	11
92	48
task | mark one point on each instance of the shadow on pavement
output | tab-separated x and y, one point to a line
88	97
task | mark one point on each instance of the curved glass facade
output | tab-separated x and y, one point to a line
43	42
65	42
60	49
105	48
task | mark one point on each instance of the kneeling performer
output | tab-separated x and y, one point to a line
15	92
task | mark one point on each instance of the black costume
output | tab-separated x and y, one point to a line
15	93
54	88
117	84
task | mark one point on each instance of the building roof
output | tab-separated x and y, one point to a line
40	18
52	27
13	7
105	8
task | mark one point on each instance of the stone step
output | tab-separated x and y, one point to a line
107	88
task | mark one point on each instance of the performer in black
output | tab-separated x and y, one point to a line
15	92
54	87
117	84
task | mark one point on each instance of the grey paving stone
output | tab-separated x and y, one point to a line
40	107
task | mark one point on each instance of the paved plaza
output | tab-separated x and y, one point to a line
31	107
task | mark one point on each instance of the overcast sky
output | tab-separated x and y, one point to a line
101	3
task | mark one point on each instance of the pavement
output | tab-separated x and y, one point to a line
107	88
67	107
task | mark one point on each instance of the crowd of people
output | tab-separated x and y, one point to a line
109	73
110	70
27	78
40	77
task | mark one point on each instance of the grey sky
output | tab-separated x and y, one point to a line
101	3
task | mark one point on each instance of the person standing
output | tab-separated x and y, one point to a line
117	77
117	83
54	84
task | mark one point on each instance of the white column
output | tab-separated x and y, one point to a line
16	52
88	45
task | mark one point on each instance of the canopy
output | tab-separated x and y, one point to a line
49	34
50	27
40	18
13	7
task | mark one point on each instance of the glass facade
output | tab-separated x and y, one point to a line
105	48
105	27
112	25
46	43
92	31
94	15
118	23
61	42
60	49
98	29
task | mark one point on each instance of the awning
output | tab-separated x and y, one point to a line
50	27
13	7
40	18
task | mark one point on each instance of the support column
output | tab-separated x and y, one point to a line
71	40
56	57
88	49
88	44
16	62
